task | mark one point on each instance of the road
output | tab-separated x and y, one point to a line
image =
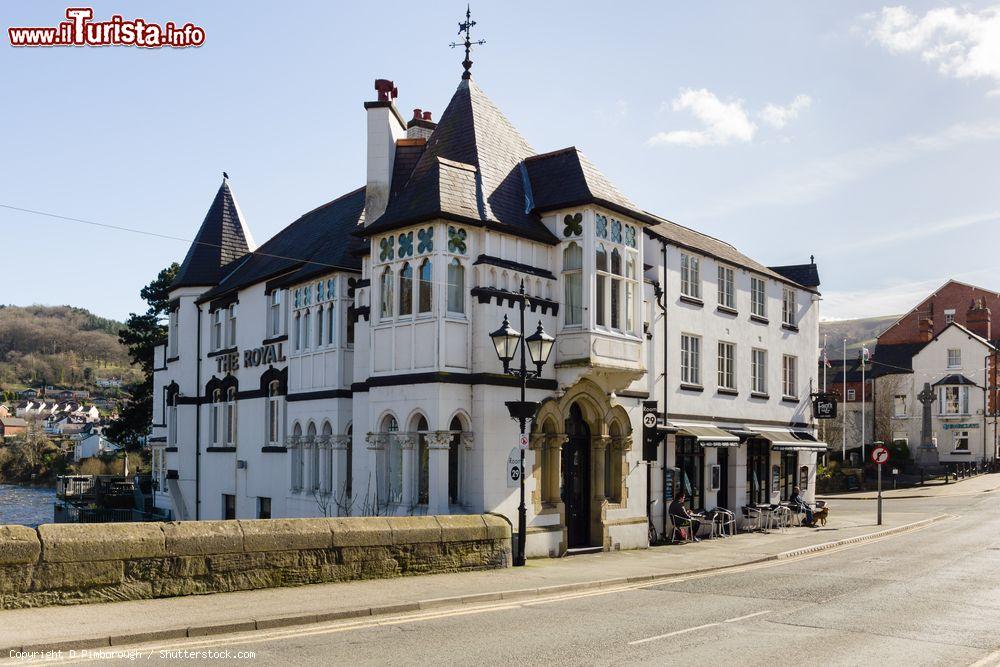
927	597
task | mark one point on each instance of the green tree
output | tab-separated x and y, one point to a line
142	333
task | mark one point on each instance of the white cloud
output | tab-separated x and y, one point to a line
724	122
779	116
962	44
916	230
894	296
812	181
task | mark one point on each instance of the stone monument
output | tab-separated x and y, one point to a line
927	454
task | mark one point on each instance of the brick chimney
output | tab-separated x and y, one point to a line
977	320
385	126
420	126
925	329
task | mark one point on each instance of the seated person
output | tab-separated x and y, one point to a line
680	515
798	505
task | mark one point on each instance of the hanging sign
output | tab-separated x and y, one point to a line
651	435
825	406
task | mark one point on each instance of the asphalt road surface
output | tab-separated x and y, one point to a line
927	597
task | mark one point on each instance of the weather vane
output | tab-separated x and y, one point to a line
466	27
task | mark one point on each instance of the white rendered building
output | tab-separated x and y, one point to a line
346	367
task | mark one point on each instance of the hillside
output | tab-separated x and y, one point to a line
59	345
857	332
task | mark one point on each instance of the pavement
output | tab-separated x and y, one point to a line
161	620
966	486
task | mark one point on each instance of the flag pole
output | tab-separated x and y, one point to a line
843	431
863	349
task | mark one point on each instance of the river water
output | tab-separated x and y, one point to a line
26	505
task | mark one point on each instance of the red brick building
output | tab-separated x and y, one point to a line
952	302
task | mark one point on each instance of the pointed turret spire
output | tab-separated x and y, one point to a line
222	238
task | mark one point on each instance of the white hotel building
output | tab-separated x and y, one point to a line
345	366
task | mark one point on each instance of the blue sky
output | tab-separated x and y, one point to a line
865	134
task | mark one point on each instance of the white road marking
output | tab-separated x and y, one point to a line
988	661
697	627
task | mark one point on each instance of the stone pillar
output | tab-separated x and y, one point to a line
339	482
598	446
294	444
438	444
376	464
552	467
408	496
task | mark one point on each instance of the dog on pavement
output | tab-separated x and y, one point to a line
820	516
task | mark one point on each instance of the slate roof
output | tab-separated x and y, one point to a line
470	172
318	242
803	274
566	177
222	239
13	421
407	155
954	378
894	358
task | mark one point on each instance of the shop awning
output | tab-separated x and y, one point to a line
709	436
792	441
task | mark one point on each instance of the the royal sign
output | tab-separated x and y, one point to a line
258	356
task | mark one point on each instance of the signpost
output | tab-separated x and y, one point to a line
880	456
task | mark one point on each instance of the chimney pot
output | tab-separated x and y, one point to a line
416	114
386	89
427	115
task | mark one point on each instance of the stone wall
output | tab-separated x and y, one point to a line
77	563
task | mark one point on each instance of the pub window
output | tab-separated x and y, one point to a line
393	460
274	312
297	459
320	318
216	416
385	294
406	289
454	461
690	359
424	287
306	329
331	323
758	297
727	295
327	464
423	462
172	420
758	480
273	413
231	332
217	322
172	332
456	287
348	474
263	507
899	405
691	462
690	276
231	416
573	284
297	331
313	457
961	441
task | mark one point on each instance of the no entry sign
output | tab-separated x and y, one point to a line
880	455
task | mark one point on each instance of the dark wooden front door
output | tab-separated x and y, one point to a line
576	479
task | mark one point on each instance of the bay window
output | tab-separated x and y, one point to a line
601	303
406	289
385	294
573	284
616	288
424	285
953	400
456	287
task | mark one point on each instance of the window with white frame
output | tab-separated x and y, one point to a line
727	292
961	440
306	328
172	332
425	283
331	322
456	287
231	327
953	400
573	284
788	306
899	405
789	383
218	321
631	284
172	421
385	294
690	359
314	464
274	413
690	276
231	416
758	297
758	371
406	289
949	315
297	332
727	366
954	358
274	315
216	425
601	292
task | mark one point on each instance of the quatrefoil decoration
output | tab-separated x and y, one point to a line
630	236
426	240
616	231
386	248
574	225
456	240
406	244
602	226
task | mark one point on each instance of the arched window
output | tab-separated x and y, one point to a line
423	461
425	287
601	292
406	289
331	323
616	289
393	459
573	282
313	458
231	416
349	466
216	417
456	287
328	464
320	319
297	458
493	277
274	413
455	461
306	329
171	417
630	295
386	294
297	332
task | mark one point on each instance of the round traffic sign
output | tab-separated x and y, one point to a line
649	419
880	455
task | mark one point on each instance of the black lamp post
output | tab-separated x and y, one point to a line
539	344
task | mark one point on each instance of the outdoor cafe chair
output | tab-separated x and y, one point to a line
751	518
679	522
723	522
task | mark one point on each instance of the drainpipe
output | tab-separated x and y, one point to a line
197	422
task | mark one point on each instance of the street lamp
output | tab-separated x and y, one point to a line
539	344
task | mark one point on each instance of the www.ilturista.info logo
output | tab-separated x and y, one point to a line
80	30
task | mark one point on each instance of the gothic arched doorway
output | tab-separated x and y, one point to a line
576	479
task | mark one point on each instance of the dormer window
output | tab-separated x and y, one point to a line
953	399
